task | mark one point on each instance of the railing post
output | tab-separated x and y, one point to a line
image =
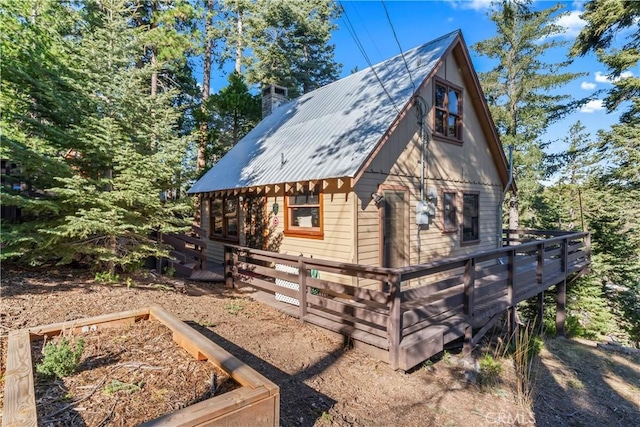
565	255
561	301
540	307
511	277
540	264
229	266
302	287
587	245
469	284
394	324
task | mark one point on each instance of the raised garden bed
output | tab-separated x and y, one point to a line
249	399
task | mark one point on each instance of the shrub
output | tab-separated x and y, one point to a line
106	277
60	359
490	370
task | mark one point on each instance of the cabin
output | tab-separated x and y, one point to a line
372	207
395	165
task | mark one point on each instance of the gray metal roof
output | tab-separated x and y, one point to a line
329	132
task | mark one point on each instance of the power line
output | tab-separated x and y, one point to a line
399	47
355	37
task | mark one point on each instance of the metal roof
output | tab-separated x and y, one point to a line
329	132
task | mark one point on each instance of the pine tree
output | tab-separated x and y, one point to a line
575	198
290	42
39	108
125	146
520	94
236	112
616	218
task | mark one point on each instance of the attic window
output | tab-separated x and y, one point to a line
303	214
448	111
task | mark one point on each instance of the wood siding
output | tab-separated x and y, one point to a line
460	169
337	243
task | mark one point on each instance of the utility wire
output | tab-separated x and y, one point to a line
399	47
355	37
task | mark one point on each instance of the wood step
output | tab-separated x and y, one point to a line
182	270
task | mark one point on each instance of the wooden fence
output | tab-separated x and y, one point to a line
455	296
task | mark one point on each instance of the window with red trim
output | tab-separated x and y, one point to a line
448	111
303	211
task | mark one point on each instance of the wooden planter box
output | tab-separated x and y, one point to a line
256	402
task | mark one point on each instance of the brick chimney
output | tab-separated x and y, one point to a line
272	97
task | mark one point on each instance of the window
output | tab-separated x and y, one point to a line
223	218
449	213
470	219
448	111
303	214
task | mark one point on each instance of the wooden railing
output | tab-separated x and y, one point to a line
189	249
424	306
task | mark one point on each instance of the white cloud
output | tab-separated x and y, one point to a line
472	4
603	78
572	23
578	4
587	86
592	106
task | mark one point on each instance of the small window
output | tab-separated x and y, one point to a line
449	213
470	218
448	111
223	218
304	213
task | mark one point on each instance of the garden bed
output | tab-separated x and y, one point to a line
132	372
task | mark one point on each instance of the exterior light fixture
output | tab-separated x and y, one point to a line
377	198
275	208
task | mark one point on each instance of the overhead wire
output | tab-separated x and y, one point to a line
393	30
356	39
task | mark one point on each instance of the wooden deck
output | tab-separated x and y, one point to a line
418	309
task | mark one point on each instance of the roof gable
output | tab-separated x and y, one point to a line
333	131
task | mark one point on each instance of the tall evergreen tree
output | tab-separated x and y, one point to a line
119	155
291	45
284	42
520	92
236	112
616	224
574	201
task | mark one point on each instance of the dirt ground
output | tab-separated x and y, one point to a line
324	382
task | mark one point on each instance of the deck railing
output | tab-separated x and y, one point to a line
412	322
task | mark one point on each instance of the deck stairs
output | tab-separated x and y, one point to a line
188	254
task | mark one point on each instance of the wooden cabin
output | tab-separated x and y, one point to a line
372	207
395	165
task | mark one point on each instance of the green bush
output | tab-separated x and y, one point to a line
60	359
490	370
106	277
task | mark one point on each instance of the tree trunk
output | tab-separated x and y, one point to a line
239	45
201	161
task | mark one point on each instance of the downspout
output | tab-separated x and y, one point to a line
504	194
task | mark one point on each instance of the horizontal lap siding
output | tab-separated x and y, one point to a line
337	243
466	168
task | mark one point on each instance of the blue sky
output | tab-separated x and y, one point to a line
417	22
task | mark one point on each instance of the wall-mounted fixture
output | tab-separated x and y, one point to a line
432	196
424	210
377	198
275	208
